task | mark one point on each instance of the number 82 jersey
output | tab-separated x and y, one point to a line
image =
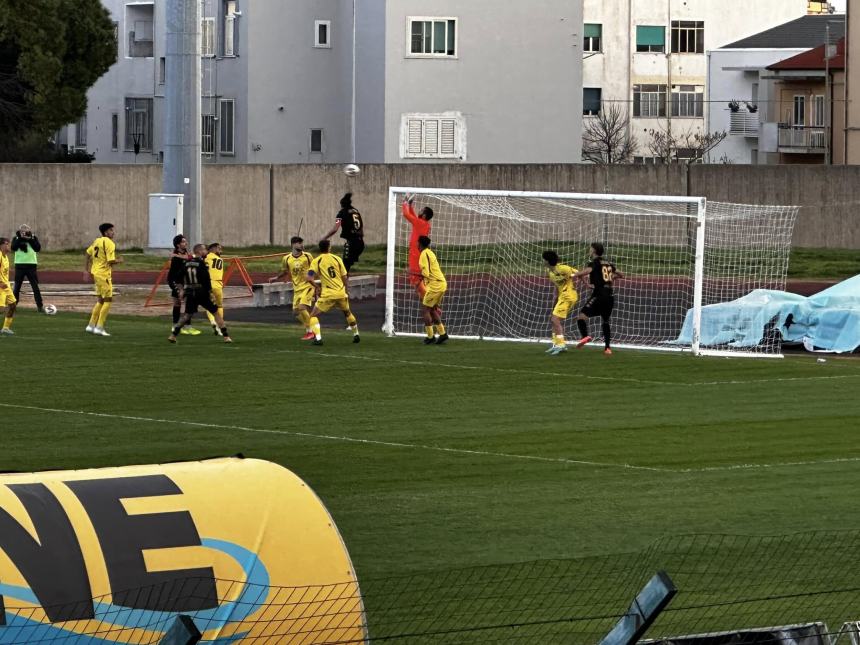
602	276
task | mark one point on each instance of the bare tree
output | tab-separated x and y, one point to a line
606	137
688	147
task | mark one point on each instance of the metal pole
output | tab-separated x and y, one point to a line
183	87
827	94
354	48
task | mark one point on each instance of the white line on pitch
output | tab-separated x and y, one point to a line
509	370
308	435
710	469
506	370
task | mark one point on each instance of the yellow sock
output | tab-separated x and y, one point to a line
211	318
558	340
94	317
441	329
305	318
221	312
7	323
429	331
315	327
352	322
103	314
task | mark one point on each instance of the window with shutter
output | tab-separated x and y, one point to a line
432	136
448	143
416	130
208	37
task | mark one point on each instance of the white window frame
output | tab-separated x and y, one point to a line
327	25
212	134
407	125
445	19
223	140
819	111
794	112
685	102
162	70
230	27
207	33
311	138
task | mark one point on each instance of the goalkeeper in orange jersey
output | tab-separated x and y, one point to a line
561	275
420	227
435	286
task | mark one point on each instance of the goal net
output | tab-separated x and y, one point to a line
688	265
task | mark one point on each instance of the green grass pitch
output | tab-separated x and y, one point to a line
443	457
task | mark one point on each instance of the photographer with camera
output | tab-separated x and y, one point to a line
26	247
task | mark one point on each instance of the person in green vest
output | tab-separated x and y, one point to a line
26	247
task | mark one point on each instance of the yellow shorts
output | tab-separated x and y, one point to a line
563	307
104	287
433	297
303	297
7	298
217	295
325	304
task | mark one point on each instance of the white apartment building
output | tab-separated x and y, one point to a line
451	81
651	56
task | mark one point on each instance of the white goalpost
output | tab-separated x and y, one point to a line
696	279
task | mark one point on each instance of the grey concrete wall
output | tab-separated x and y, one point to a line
829	197
66	203
516	78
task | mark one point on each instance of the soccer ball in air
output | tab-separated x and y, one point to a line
351	170
50	310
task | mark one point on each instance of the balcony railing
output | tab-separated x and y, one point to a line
743	123
803	138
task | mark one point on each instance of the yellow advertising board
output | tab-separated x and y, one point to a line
244	547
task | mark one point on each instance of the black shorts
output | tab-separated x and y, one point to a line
174	289
599	305
352	249
199	300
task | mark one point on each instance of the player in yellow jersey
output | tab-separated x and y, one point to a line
216	274
295	267
435	286
561	276
7	297
333	291
100	258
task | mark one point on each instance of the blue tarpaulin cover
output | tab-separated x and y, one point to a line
829	320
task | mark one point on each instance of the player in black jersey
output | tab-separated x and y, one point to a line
196	290
351	230
175	276
601	275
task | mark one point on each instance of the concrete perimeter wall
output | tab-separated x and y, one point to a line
261	204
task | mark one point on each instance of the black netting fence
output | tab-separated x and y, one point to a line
725	584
